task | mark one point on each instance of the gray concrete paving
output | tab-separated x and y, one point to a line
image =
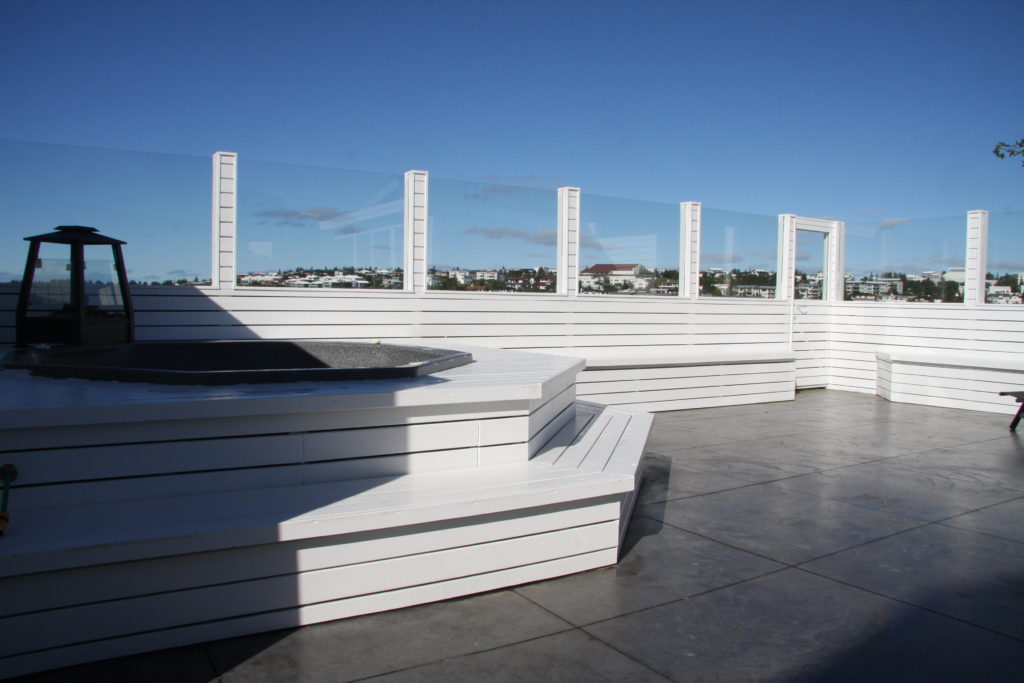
836	537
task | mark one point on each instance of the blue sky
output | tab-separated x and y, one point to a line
870	112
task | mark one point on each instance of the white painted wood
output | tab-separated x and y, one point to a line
958	380
475	512
786	251
417	195
31	592
833	288
689	250
556	502
568	221
976	261
712	401
304	615
1007	362
224	220
226	600
706	381
637	397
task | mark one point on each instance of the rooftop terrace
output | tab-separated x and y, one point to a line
840	535
835	537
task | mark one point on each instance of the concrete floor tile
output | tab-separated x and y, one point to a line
762	460
676	417
660	564
966	575
994	464
1003	520
948	434
570	657
792	626
916	493
671	439
668	479
741	429
381	643
782	525
856	444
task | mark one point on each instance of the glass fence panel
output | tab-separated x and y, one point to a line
158	203
485	237
738	254
906	259
809	264
51	280
628	246
1004	281
102	285
302	226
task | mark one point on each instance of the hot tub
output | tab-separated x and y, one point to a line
236	362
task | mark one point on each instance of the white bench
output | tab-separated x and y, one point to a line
951	379
98	580
675	378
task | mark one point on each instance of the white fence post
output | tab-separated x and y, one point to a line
568	268
784	273
689	250
834	274
224	220
977	257
417	191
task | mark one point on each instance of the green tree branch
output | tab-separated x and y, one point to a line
1010	149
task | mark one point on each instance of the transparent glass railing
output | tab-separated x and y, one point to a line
158	203
308	227
1004	281
628	246
738	254
485	237
809	264
900	259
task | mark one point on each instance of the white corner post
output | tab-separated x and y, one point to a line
977	257
835	278
689	250
568	273
784	271
417	191
224	219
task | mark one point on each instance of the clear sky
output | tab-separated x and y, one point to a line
867	111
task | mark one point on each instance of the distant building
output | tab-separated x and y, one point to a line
756	291
958	275
617	274
463	277
808	290
878	287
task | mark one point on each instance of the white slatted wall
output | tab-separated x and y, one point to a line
523	321
859	330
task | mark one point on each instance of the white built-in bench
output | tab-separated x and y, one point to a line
952	379
99	569
675	378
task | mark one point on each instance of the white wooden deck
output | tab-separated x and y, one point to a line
149	553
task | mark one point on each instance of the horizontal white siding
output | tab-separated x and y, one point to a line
834	343
859	330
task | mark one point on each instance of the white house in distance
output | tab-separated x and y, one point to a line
617	274
957	275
